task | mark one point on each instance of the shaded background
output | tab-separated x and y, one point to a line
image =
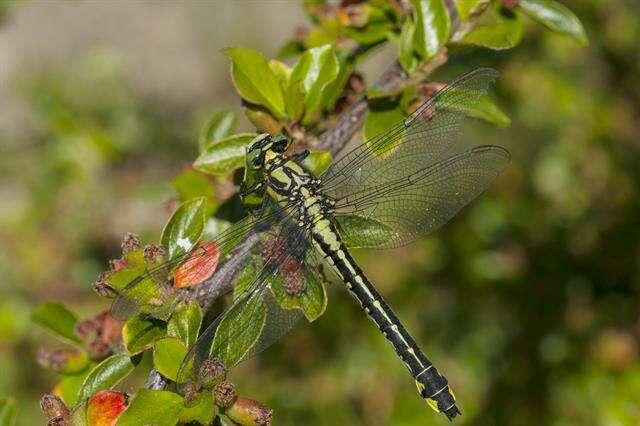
528	300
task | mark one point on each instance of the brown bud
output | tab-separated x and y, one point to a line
87	329
130	242
110	328
191	391
53	407
59	421
99	349
509	4
293	282
224	394
248	412
65	361
153	254
212	372
117	264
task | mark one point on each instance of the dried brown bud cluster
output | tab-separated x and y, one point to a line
55	410
130	242
225	394
101	334
153	253
212	372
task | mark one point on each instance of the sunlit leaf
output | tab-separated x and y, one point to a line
152	407
224	156
294	100
318	161
139	333
406	54
106	375
381	117
281	71
255	81
358	231
185	323
466	8
332	92
262	119
202	410
168	354
316	68
184	228
556	17
239	330
497	30
219	126
432	26
57	319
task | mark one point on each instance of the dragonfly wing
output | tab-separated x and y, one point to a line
425	200
153	292
263	310
377	180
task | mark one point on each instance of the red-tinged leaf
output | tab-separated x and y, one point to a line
105	406
199	266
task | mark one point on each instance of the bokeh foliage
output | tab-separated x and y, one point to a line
528	301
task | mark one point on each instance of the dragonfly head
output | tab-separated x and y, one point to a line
264	147
260	151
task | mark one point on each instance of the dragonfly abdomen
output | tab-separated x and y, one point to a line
432	386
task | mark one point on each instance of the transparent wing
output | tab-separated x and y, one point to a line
421	202
379	172
153	292
265	308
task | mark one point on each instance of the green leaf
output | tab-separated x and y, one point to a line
294	100
406	54
106	375
432	26
7	411
312	300
218	127
239	331
380	117
255	81
57	319
139	333
360	231
185	323
262	119
333	90
497	31
70	384
467	8
190	184
281	71
487	110
201	411
556	17
184	228
152	407
245	278
318	161
224	156
168	354
371	34
316	68
119	279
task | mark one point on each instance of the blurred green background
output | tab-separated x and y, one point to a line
528	300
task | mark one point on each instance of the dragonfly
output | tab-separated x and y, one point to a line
408	181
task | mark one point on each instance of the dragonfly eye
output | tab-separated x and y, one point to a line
280	144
